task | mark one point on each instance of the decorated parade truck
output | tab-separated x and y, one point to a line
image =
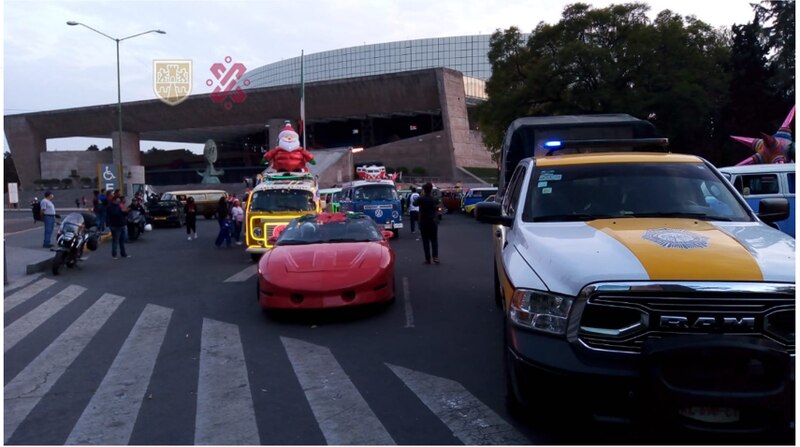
374	195
276	200
637	285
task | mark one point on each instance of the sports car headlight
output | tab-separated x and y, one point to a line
541	311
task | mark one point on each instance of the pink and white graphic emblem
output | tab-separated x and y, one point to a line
227	76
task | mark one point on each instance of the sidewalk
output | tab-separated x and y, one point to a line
24	255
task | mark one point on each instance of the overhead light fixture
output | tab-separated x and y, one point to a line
356	150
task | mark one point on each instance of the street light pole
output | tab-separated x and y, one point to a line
120	171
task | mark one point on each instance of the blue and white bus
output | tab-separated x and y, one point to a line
377	199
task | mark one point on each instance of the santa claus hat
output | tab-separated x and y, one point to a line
287	129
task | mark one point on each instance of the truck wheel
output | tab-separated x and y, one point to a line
515	408
255	257
396	234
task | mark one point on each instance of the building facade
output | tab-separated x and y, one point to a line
466	54
409	104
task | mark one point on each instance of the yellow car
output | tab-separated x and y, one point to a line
470	209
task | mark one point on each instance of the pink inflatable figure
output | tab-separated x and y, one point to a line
776	148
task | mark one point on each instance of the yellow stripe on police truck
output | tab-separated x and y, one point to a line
683	249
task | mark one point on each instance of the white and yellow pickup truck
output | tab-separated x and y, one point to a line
640	286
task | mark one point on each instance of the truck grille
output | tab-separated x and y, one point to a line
621	318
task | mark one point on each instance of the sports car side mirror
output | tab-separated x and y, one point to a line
387	234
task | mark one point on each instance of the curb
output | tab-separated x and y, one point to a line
45	264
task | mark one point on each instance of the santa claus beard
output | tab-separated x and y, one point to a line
289	145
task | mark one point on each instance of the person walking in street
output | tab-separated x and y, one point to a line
224	219
191	219
100	204
117	222
48	214
413	208
36	208
237	216
428	224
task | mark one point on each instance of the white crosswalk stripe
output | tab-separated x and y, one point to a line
343	415
225	413
20	329
111	414
24	281
244	275
25	390
20	296
469	419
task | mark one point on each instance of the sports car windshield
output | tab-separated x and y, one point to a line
277	200
308	230
620	190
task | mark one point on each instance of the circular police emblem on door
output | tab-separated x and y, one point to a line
671	238
378	213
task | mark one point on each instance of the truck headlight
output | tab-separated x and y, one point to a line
542	311
258	232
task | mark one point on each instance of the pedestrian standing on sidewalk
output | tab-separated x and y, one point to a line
237	215
191	219
117	222
413	208
48	211
428	224
77	203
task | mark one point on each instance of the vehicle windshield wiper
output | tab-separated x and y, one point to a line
574	217
700	216
295	242
347	239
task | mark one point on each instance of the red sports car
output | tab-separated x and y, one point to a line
327	260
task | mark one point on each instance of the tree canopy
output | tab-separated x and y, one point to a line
678	72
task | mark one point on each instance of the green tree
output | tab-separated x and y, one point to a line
93	148
610	60
762	78
107	148
778	32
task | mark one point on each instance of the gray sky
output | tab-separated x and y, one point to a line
48	65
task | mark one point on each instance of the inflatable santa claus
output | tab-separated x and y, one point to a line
289	156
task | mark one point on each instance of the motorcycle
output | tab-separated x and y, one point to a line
76	232
137	223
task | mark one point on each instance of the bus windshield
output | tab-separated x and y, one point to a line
277	200
375	192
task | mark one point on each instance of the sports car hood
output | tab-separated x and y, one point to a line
328	257
567	256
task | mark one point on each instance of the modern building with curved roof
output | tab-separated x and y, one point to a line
467	54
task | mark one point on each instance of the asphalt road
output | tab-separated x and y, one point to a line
171	347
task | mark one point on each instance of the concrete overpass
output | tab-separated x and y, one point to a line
198	118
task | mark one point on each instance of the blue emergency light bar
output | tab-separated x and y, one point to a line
603	145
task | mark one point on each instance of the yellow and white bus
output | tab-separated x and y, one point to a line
275	201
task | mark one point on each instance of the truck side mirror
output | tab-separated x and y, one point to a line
773	209
492	213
